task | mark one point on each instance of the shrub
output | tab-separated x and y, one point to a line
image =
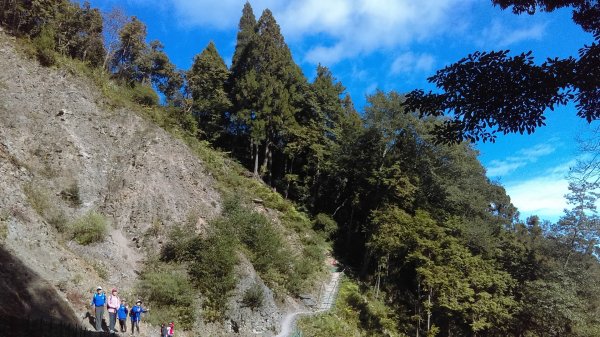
171	294
45	46
212	270
354	314
184	119
210	262
144	95
40	200
264	243
325	225
90	228
253	296
266	248
176	248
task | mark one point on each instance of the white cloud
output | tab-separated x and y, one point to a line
501	35
371	89
346	28
523	157
503	167
325	55
410	62
542	196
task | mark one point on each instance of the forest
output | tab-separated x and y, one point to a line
414	219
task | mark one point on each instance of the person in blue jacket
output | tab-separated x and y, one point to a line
136	316
97	304
122	315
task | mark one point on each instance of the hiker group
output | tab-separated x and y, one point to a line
118	309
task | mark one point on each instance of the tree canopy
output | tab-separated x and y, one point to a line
494	92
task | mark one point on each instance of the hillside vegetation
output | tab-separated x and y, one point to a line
431	245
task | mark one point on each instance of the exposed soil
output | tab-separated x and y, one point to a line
56	133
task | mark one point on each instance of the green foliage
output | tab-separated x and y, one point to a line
266	88
420	220
42	201
279	267
210	263
144	95
245	36
206	83
212	270
254	296
130	51
462	284
58	26
138	63
324	224
171	295
89	228
45	46
355	314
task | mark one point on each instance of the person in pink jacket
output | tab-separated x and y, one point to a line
171	331
113	304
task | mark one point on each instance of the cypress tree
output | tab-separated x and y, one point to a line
206	84
267	90
241	83
245	36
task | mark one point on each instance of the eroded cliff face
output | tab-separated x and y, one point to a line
64	153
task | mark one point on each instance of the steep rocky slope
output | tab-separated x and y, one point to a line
56	137
64	153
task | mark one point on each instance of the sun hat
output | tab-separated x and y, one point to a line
98	288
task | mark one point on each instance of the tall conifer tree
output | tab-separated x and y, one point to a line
246	35
206	84
267	89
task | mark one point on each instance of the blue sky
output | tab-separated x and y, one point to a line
396	45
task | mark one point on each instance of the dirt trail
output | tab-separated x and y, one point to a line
326	301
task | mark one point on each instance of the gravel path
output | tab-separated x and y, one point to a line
325	303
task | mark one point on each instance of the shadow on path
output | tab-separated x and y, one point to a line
23	293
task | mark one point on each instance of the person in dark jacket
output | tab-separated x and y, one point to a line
164	331
97	304
122	315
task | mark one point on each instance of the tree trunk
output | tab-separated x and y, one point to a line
429	309
418	309
572	247
270	169
291	171
378	282
255	160
265	165
109	55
